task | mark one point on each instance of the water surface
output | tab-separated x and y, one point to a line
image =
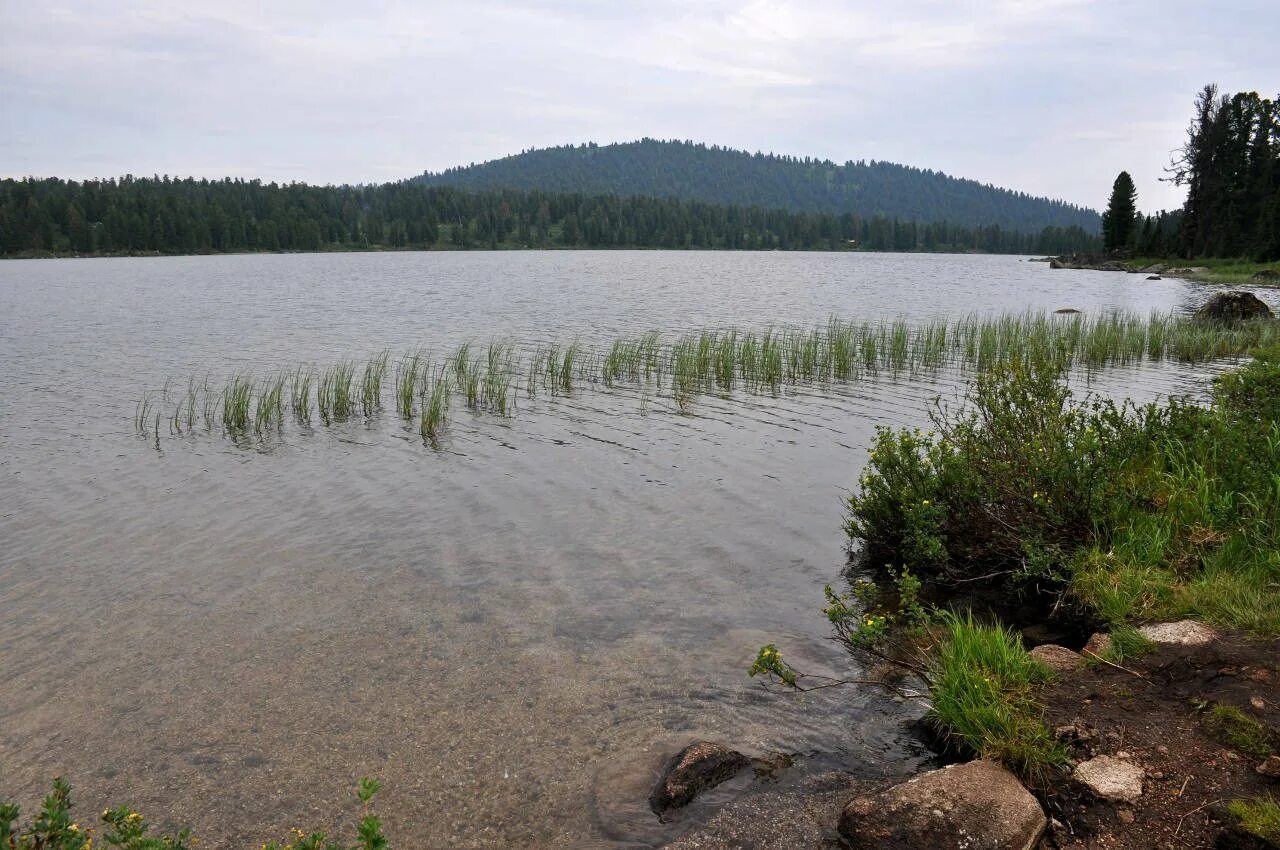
503	630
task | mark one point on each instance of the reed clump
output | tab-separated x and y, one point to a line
722	361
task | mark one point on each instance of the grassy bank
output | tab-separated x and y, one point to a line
1228	272
1053	508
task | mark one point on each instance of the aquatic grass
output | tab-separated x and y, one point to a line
270	407
408	371
237	397
300	394
436	392
334	397
142	413
724	361
371	384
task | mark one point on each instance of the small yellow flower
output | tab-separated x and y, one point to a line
924	501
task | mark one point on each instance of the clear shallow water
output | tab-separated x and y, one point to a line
499	630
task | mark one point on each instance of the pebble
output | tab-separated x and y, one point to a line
1125	816
1162	750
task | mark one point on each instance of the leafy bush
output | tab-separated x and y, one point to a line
1139	512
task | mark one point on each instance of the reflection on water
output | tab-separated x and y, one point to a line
230	638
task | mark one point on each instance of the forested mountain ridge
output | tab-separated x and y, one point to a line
163	215
720	175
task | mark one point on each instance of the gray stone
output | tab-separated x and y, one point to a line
1067	311
1154	277
1233	306
978	805
1098	644
1111	778
1057	658
699	766
799	817
1267	275
1181	633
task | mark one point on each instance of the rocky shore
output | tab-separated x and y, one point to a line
1159	749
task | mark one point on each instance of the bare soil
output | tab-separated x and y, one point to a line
1154	713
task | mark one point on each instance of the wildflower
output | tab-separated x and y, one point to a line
924	501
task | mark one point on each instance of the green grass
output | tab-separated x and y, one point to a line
1127	644
436	392
1230	726
371	384
1222	271
300	393
409	371
237	399
984	693
724	361
1259	817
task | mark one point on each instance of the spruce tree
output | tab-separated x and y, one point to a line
1122	210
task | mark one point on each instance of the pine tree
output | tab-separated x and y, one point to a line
1122	210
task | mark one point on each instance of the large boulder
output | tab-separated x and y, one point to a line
701	765
1233	306
977	805
1267	275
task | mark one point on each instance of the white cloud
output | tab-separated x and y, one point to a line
1050	96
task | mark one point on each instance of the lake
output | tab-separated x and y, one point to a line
506	630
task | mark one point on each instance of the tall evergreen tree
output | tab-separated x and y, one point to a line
1122	211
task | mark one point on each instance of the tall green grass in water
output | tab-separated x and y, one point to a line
300	394
408	371
270	408
334	397
436	391
237	398
371	384
701	362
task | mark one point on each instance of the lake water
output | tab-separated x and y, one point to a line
506	631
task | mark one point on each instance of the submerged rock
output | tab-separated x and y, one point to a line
1111	778
699	766
1181	633
977	805
1233	306
1067	311
1057	658
1154	277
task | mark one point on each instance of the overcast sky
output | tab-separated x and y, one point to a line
1052	97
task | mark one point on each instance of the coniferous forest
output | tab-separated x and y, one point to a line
720	175
40	217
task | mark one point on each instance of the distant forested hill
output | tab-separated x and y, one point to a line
722	176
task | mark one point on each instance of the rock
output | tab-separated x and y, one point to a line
1154	277
1057	658
1266	274
1067	311
1181	633
699	766
1154	268
1055	263
1270	767
977	805
1098	644
1233	306
1111	778
797	817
